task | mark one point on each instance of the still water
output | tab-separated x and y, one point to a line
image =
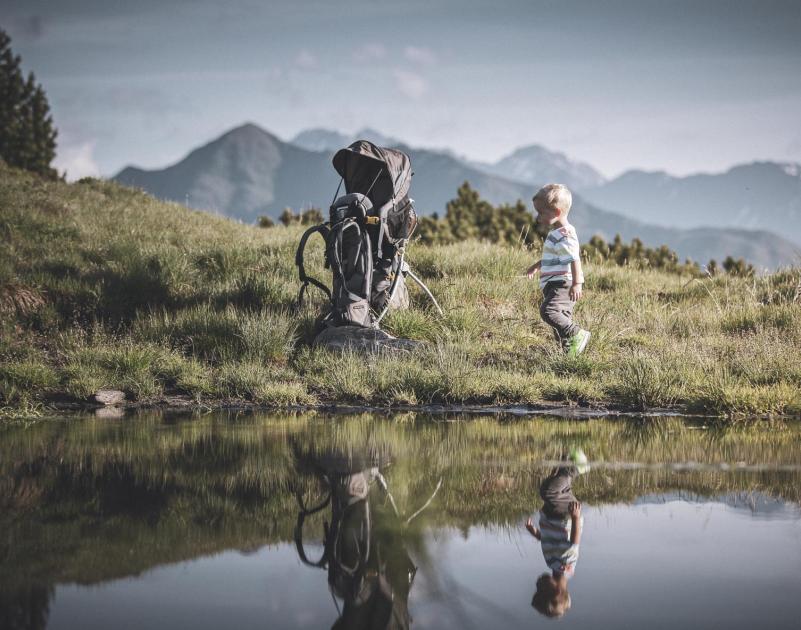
404	521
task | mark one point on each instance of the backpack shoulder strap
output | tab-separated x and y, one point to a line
304	278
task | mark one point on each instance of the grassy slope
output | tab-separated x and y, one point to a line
103	286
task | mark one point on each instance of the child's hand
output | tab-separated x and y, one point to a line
531	529
575	292
532	270
575	509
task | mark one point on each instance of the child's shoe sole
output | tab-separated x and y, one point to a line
584	342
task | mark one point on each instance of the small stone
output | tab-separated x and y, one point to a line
109	397
361	339
109	412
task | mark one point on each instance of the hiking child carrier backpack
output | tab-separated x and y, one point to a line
365	237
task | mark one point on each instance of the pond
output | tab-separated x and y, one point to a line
398	521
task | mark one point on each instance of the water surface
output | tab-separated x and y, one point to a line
313	521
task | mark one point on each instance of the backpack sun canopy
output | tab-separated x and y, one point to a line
380	174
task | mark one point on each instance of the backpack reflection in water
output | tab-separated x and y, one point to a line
364	551
559	532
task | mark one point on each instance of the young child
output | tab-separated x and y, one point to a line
561	276
559	532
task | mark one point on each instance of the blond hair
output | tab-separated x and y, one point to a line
549	599
554	196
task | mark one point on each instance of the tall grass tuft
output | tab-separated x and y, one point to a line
223	335
648	380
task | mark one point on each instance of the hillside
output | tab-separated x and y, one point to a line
102	286
762	195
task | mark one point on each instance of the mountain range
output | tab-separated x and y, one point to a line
531	164
761	195
248	172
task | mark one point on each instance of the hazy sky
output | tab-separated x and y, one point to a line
671	85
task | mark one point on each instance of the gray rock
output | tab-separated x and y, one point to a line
109	397
362	340
110	412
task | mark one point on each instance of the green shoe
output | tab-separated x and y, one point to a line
577	343
579	460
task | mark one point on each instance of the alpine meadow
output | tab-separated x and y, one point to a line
105	287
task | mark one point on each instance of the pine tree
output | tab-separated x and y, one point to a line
288	217
44	132
467	213
27	134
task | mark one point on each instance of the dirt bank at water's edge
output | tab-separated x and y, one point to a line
179	402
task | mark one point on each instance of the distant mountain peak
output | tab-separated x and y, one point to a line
536	165
247	127
792	169
376	137
533	149
321	139
246	131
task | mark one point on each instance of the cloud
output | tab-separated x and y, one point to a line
422	56
77	161
28	27
371	51
306	60
411	84
141	100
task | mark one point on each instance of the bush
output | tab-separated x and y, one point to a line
637	255
312	216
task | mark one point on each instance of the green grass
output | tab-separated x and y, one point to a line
104	286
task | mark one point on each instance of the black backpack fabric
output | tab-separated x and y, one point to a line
365	236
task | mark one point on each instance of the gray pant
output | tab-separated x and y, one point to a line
557	310
557	492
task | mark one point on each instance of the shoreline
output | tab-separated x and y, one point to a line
183	403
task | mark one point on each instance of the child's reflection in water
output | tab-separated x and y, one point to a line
559	531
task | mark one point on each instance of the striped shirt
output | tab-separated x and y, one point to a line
561	248
560	554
